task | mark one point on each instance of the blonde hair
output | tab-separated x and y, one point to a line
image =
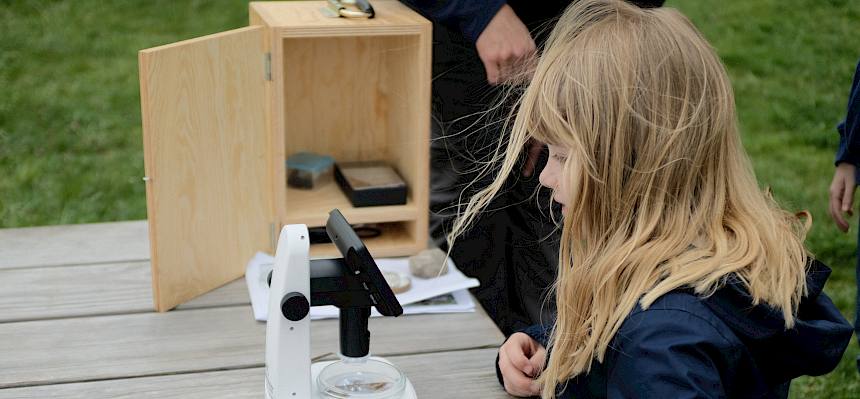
661	193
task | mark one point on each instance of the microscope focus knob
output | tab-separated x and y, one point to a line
295	306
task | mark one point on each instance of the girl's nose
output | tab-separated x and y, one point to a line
547	177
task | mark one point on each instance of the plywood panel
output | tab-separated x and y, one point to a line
305	19
334	102
407	85
209	195
461	374
74	244
95	348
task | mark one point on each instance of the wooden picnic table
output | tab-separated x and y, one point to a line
76	321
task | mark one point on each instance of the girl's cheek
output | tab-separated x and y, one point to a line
565	186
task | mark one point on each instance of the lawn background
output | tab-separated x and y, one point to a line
70	136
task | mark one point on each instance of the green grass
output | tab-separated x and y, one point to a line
70	137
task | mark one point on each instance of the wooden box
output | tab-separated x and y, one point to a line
221	113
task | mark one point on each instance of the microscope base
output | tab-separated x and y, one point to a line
408	392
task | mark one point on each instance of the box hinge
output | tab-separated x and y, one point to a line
268	65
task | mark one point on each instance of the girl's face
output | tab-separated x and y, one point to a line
552	175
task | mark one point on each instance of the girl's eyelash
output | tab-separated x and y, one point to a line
560	158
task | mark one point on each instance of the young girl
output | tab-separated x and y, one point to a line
678	276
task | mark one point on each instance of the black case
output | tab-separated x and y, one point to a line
362	194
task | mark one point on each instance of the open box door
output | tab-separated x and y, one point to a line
207	161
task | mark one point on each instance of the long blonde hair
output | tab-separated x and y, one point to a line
661	193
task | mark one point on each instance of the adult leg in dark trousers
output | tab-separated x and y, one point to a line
513	248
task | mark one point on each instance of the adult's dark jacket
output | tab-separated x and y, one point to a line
471	16
722	346
849	129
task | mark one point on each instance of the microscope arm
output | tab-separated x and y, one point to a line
332	284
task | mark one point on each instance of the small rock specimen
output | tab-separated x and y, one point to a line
429	263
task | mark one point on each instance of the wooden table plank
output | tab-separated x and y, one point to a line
35	293
74	244
94	348
51	292
460	374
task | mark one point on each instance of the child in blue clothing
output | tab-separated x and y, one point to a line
845	177
678	276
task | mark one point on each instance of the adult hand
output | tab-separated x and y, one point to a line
521	359
505	46
842	194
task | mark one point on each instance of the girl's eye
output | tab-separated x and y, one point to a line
560	158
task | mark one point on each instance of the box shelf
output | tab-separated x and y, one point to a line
395	240
312	207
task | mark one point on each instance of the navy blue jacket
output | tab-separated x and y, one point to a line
849	129
684	346
471	16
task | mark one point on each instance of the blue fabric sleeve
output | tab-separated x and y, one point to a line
539	333
668	353
469	16
849	129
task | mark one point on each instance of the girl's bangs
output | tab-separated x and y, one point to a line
542	121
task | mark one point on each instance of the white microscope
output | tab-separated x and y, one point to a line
353	284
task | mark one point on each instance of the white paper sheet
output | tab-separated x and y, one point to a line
445	294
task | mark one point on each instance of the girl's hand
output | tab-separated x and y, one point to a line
842	194
521	360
